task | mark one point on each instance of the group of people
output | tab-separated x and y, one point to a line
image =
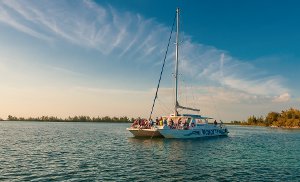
216	123
177	124
142	123
180	123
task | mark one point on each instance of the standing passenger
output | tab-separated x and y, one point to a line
160	122
215	122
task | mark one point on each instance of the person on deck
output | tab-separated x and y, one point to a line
193	123
171	123
142	123
165	122
160	122
215	122
156	121
151	122
135	123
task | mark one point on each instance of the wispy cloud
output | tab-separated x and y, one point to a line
112	91
129	36
12	18
84	23
64	71
215	66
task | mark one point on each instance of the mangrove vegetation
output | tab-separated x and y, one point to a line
286	119
72	119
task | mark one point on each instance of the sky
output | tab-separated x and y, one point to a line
103	58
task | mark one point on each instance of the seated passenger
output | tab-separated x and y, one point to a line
135	123
151	122
165	122
193	123
157	121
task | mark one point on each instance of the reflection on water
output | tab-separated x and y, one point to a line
107	152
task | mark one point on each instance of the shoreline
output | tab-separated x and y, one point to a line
272	126
66	121
285	127
70	121
98	119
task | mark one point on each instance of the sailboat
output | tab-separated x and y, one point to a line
178	125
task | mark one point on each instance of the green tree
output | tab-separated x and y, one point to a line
271	118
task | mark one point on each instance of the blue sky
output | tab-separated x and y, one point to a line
101	58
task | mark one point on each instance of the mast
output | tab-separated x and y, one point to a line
176	64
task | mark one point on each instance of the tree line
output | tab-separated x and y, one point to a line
287	118
72	119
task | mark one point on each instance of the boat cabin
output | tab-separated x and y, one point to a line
183	121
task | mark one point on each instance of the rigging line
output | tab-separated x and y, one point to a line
214	103
190	95
164	107
181	91
187	102
193	91
162	69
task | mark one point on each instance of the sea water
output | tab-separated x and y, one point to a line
68	151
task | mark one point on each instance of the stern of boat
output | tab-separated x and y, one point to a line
152	132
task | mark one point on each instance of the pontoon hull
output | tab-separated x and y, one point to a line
193	133
144	132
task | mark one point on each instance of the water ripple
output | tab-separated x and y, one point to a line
34	151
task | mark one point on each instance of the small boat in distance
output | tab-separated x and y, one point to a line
178	125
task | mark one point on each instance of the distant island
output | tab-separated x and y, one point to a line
71	119
285	119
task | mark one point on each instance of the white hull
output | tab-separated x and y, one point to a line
153	132
199	132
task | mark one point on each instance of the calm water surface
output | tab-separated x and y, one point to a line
41	151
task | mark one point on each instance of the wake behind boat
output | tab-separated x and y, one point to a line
177	125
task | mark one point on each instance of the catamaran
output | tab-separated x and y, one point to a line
178	125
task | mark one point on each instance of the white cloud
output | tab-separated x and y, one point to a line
218	102
282	98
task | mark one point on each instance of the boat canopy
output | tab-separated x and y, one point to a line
196	116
